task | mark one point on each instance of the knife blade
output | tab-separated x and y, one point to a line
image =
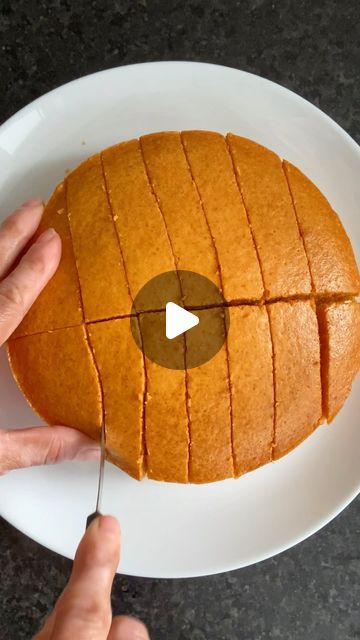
97	511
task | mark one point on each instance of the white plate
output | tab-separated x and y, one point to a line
174	530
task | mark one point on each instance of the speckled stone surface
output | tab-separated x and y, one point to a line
312	47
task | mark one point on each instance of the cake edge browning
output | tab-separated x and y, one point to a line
110	455
339	327
25	356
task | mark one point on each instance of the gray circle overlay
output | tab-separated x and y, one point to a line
193	292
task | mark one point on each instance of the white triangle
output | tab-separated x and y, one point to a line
178	320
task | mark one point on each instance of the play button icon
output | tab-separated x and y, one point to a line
178	320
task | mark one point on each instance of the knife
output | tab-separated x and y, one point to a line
97	511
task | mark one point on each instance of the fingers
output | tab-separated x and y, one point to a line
43	445
16	231
83	611
20	289
46	631
122	628
126	628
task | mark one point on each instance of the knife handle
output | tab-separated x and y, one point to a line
92	517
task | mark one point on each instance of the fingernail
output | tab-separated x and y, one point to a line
109	525
48	235
32	202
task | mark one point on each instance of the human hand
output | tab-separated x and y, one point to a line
83	610
20	284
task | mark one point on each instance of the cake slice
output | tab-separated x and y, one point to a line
213	174
178	200
57	374
252	387
58	305
298	399
140	225
331	258
272	218
121	370
339	324
103	281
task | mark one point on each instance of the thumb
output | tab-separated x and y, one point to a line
83	611
43	445
127	628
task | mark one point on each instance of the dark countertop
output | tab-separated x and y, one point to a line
312	47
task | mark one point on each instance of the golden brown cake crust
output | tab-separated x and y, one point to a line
59	303
140	225
210	416
298	399
166	419
331	259
251	370
339	324
103	281
272	218
226	208
213	173
49	367
171	181
122	375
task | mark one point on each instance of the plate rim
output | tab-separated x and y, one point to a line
332	514
157	63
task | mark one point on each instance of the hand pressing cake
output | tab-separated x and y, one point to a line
226	208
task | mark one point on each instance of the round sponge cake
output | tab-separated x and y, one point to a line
228	209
